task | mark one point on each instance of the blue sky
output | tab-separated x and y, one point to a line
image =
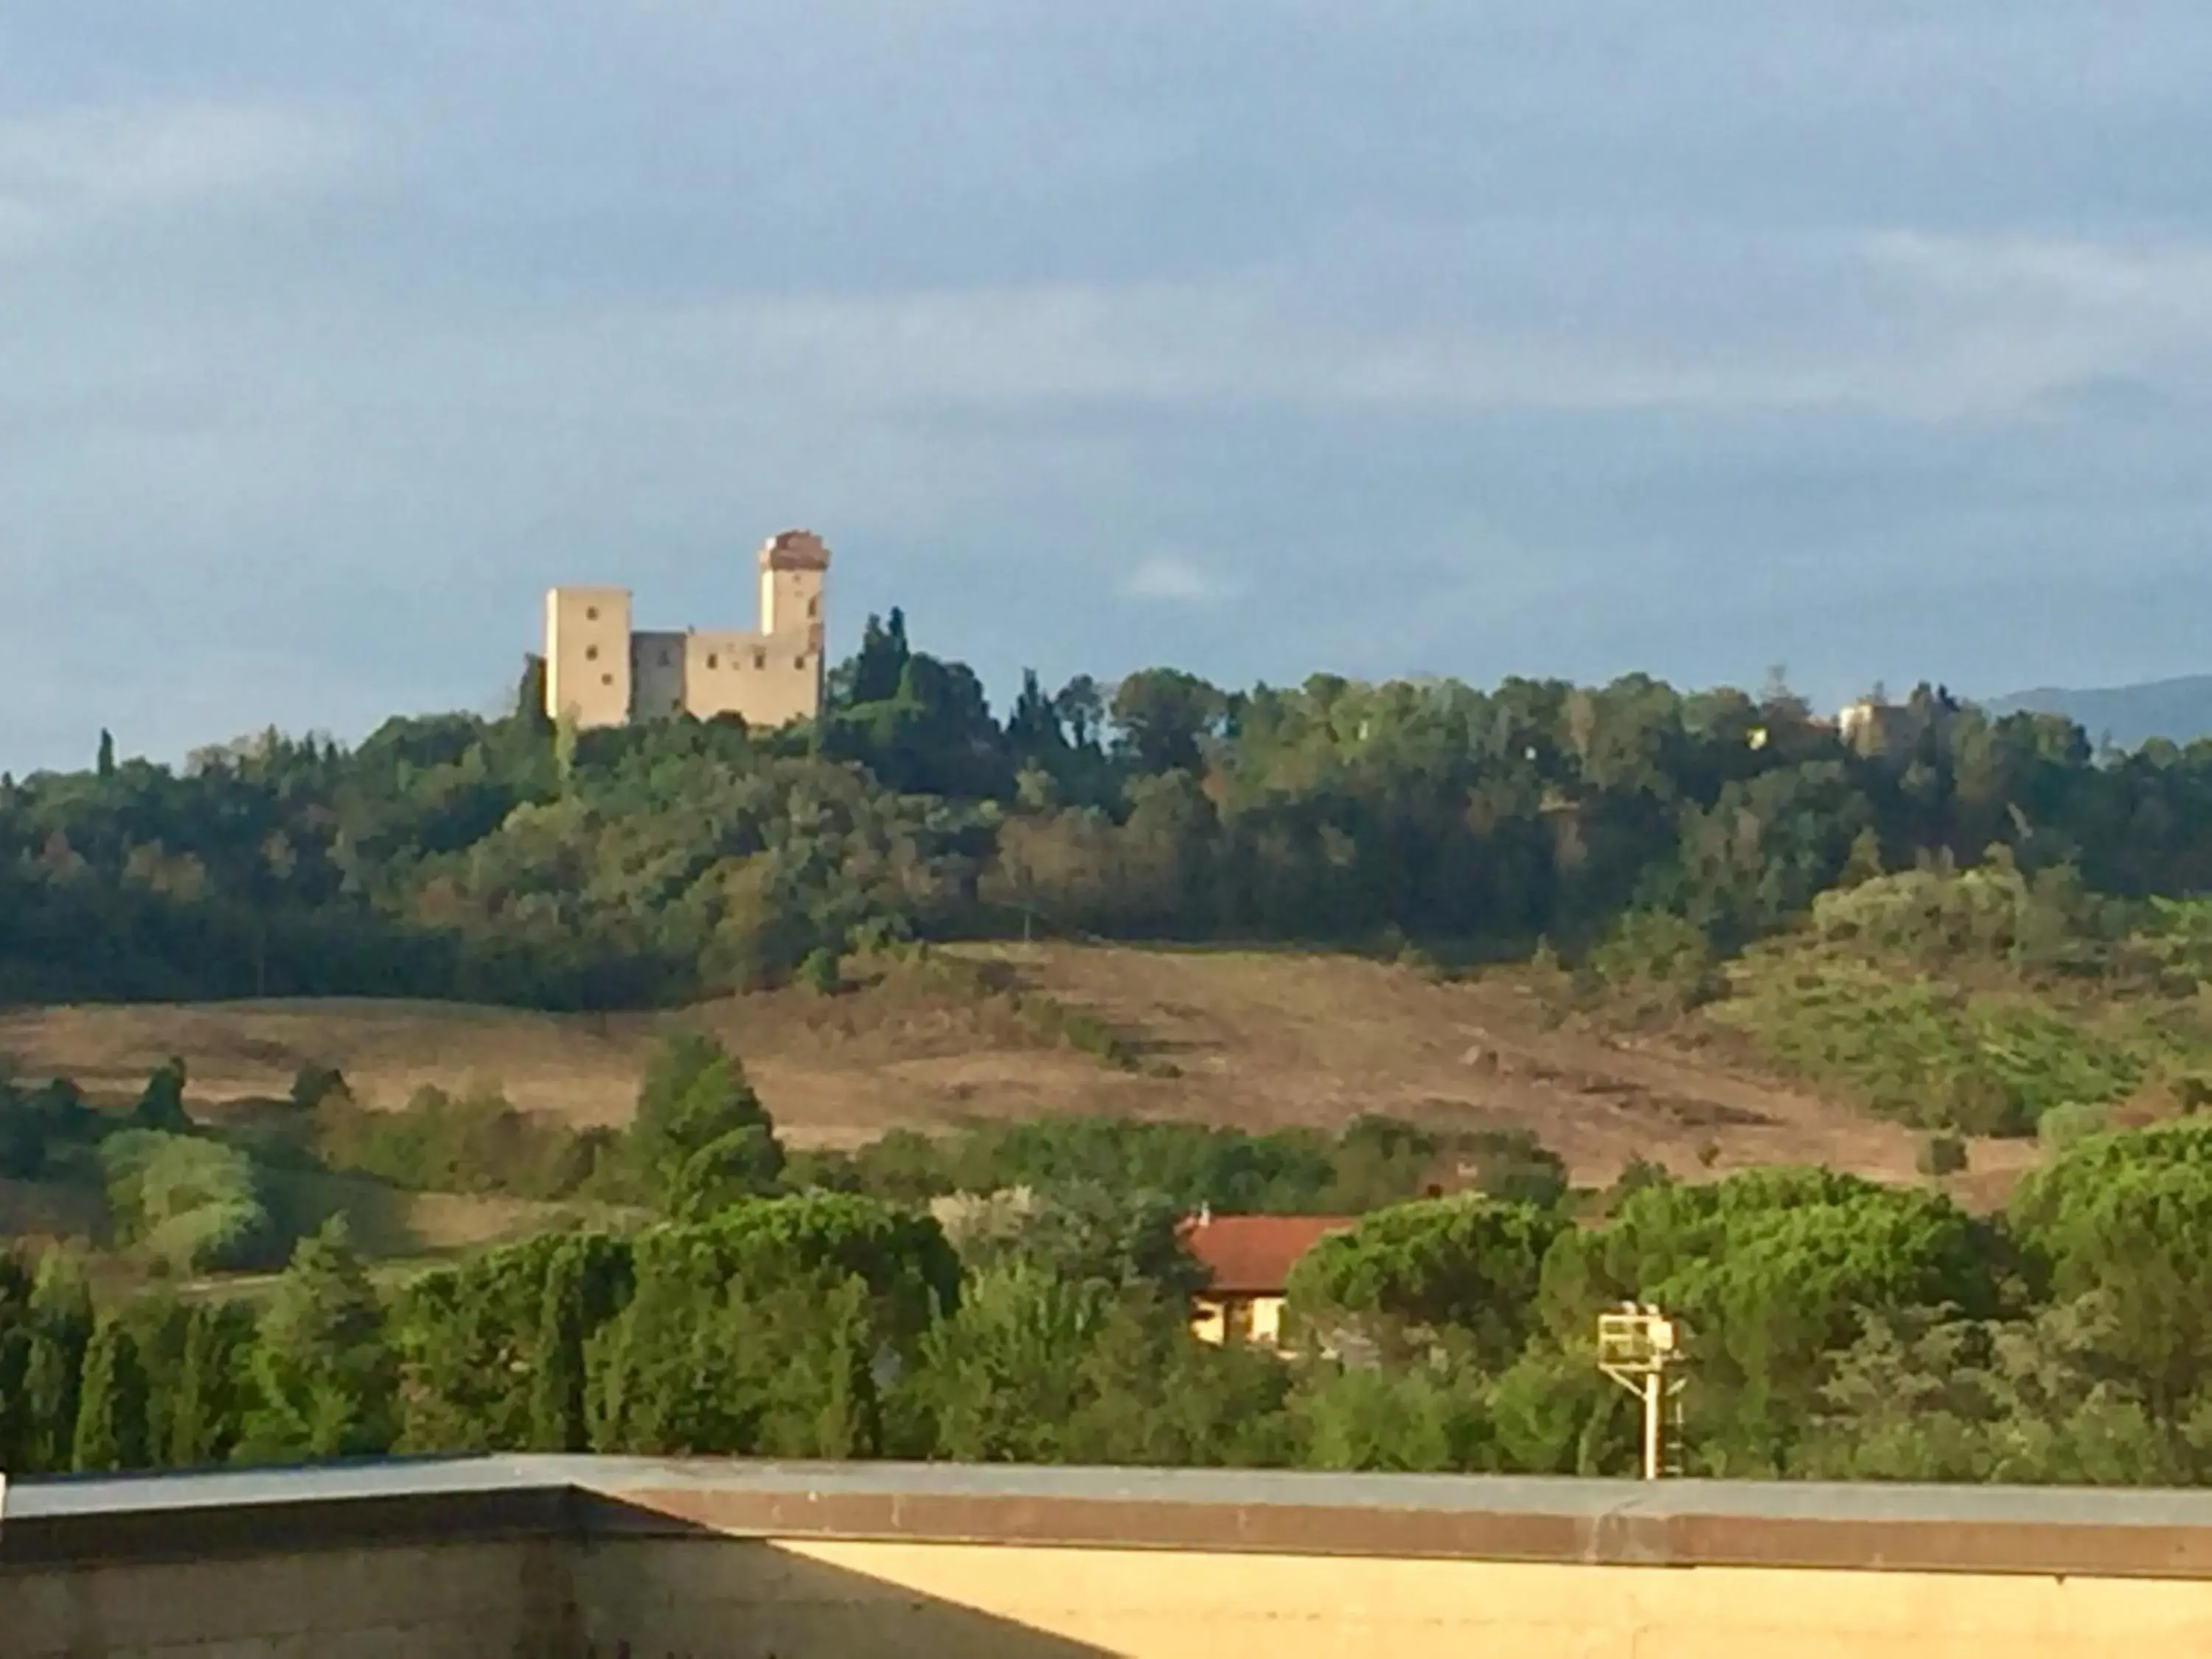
1866	337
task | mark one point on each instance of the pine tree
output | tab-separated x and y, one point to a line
325	1380
110	1419
105	766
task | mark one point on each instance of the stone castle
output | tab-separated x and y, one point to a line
598	671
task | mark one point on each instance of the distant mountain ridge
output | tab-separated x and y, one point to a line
2129	715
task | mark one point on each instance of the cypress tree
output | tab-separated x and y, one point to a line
201	1416
60	1328
14	1401
558	1422
161	1103
110	1419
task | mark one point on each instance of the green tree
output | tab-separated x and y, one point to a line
60	1327
1006	1375
558	1422
324	1381
1450	1271
1422	1419
2130	1215
203	1414
1164	715
161	1103
1771	1272
110	1432
702	1135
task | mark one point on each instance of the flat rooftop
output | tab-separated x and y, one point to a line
1864	1527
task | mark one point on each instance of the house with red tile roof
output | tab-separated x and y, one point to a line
1248	1261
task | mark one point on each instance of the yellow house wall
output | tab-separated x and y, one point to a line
859	1601
1267	1321
1221	1320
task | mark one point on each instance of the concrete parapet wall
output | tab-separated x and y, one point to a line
451	1600
585	1559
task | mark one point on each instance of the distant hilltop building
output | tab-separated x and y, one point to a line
1871	725
600	672
1874	726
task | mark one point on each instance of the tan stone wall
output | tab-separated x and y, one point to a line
767	681
656	675
791	603
588	655
861	1601
600	673
457	1601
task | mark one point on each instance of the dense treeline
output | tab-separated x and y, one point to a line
185	1198
508	860
1837	1328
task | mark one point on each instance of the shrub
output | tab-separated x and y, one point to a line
35	1122
821	973
478	1144
2064	1126
1928	1053
314	1083
1942	1155
1661	963
194	1205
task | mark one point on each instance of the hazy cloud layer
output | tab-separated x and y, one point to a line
1871	338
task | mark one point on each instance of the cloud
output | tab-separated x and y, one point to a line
331	335
66	168
1177	580
1904	326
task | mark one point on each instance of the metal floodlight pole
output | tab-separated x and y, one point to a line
1635	1347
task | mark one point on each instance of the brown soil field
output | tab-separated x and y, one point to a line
1253	1039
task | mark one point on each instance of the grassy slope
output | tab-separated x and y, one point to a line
1254	1039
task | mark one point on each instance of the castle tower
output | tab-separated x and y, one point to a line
588	655
794	568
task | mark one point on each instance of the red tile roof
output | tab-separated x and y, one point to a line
1253	1254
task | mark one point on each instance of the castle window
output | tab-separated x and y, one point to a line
814	607
760	658
607	680
799	662
590	653
713	662
664	659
